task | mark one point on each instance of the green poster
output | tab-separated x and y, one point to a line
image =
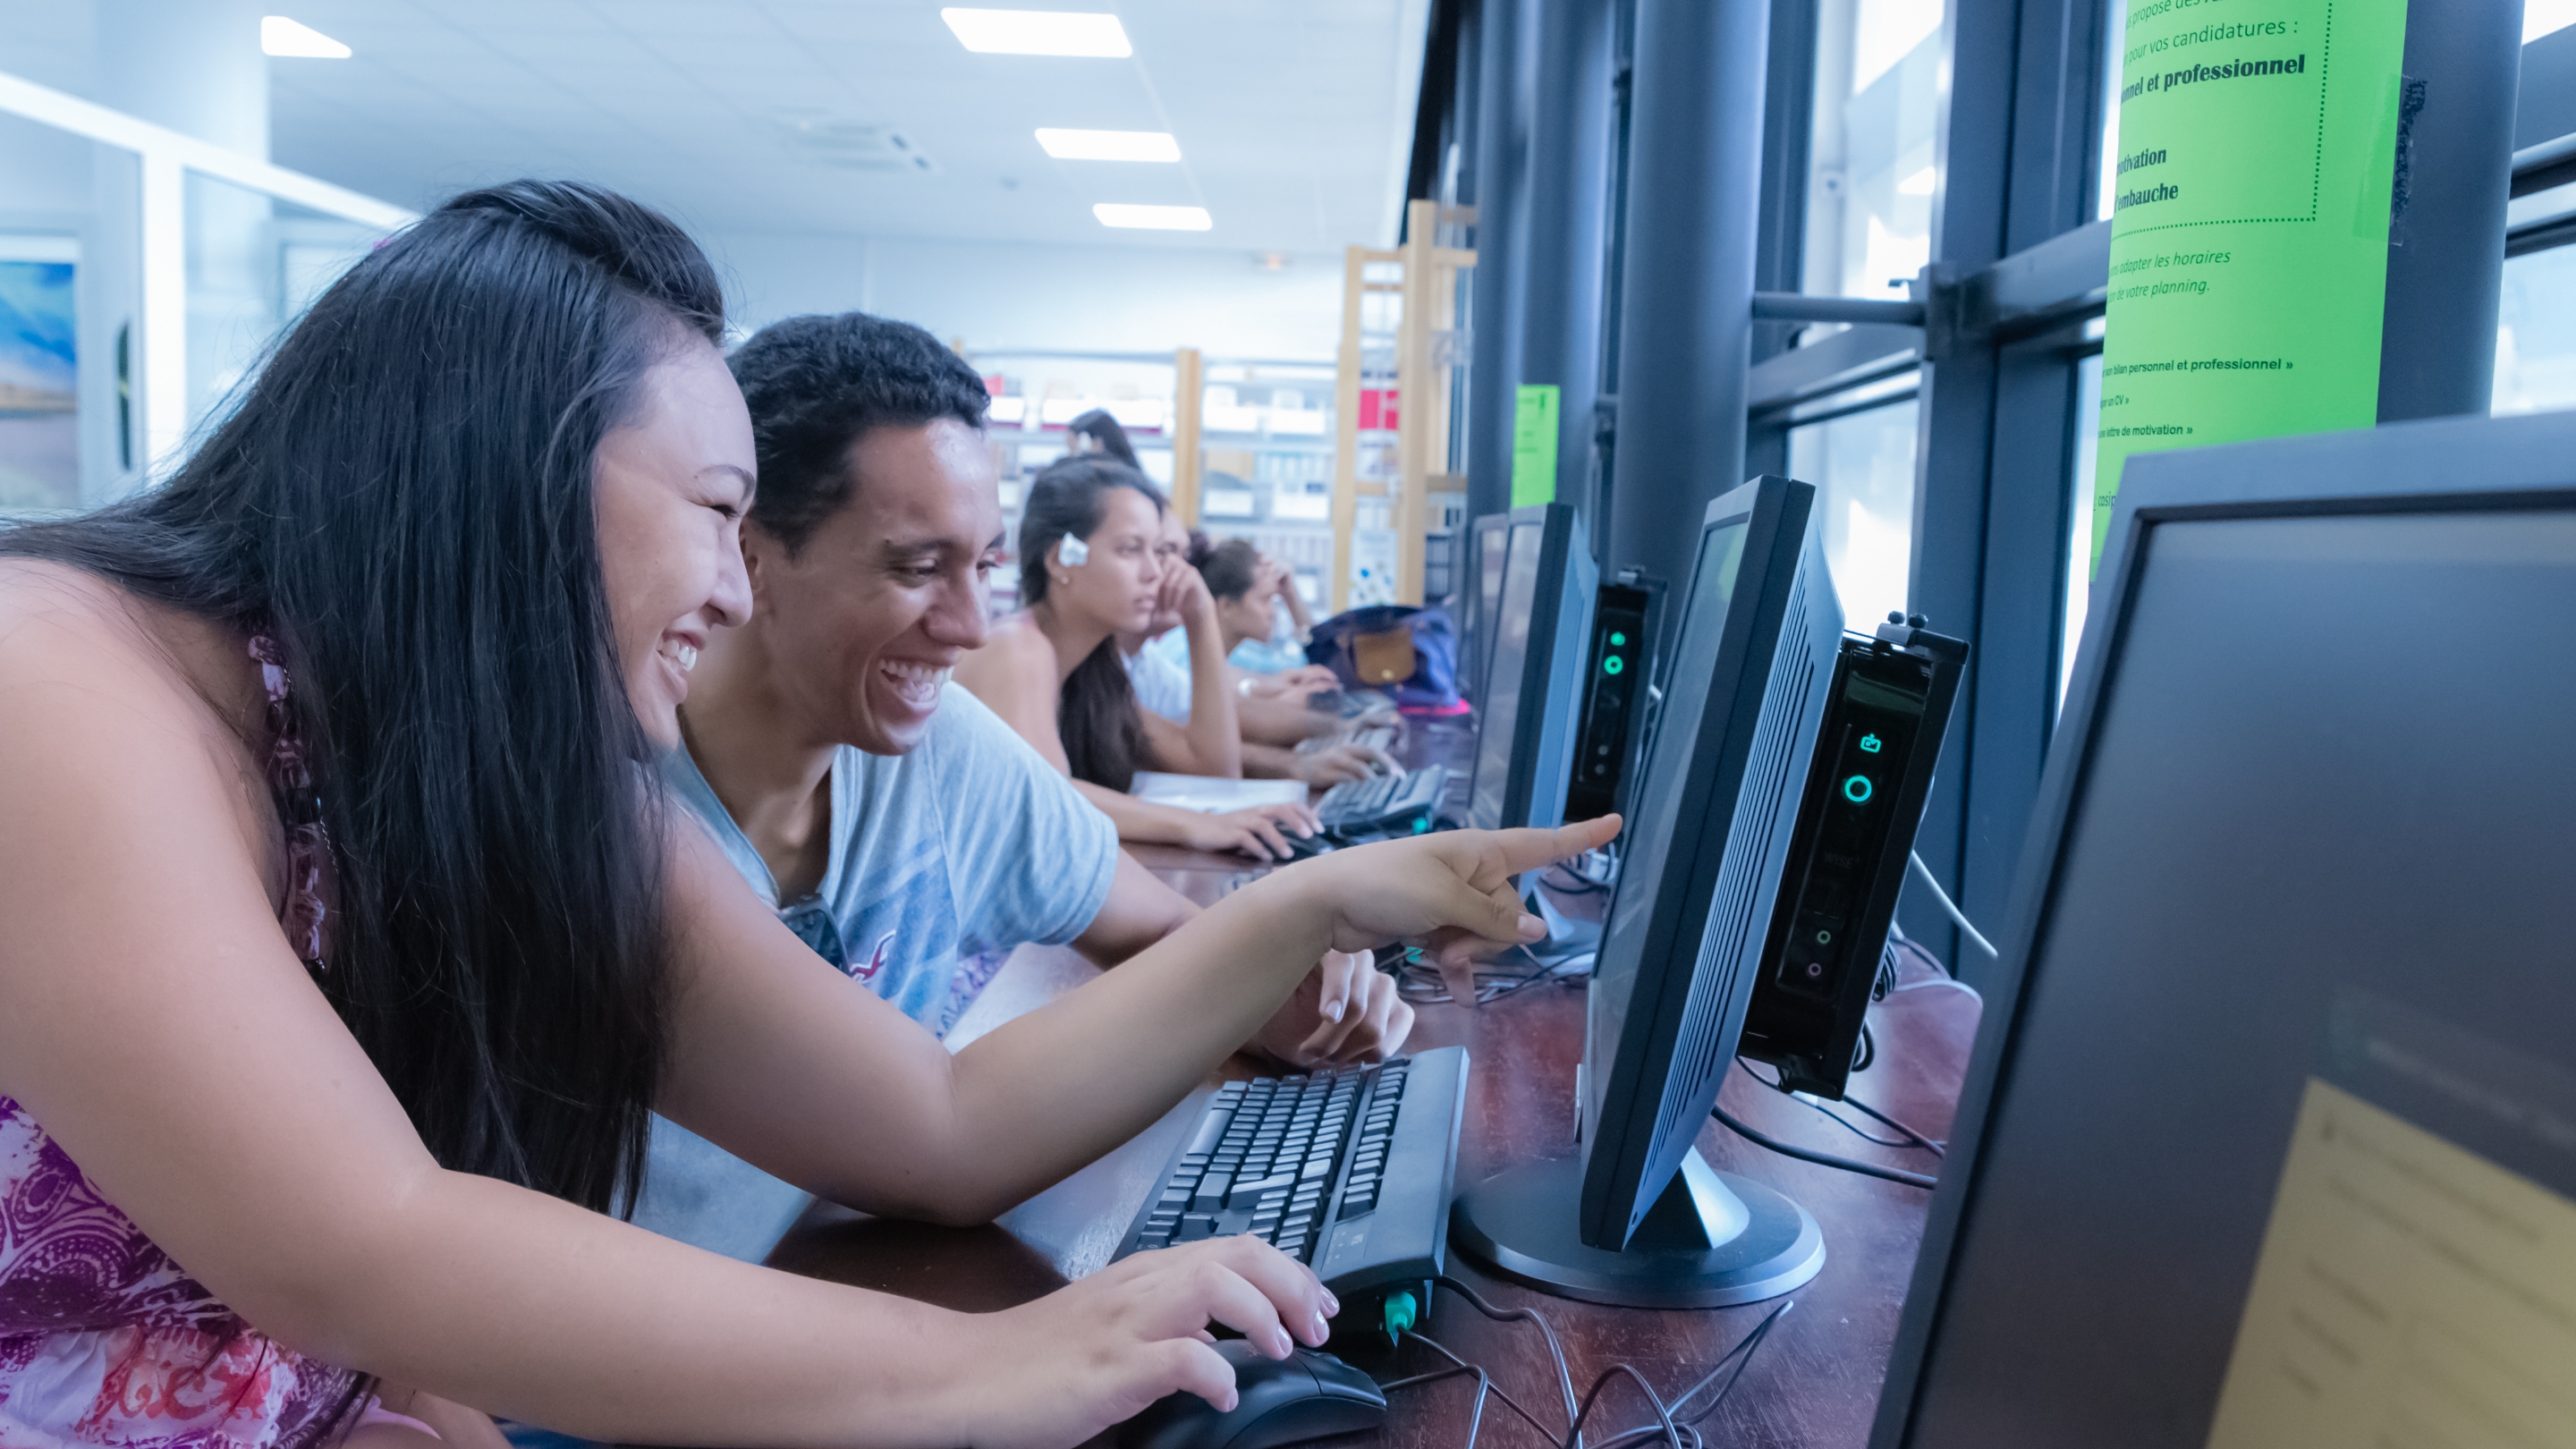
1534	445
2249	245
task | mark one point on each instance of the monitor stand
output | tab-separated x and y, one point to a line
1712	1240
1568	941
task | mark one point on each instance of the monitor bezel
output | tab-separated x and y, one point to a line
1480	623
2520	464
1563	584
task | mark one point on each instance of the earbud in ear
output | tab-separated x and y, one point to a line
1072	552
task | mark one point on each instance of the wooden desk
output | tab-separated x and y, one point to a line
1815	1382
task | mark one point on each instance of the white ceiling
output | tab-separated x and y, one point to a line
1293	116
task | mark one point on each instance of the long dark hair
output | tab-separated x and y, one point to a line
1102	427
402	502
1104	737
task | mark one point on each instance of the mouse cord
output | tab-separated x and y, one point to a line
1663	1424
1675	1424
1555	1352
1484	1383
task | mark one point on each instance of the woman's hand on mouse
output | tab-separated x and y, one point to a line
1097	1352
1454	889
1259	831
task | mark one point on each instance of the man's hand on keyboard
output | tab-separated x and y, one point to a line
1371	1022
1453	889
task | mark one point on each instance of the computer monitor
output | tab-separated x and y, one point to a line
1638	1218
1488	553
1527	719
2269	1136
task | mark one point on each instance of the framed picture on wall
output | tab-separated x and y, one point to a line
39	383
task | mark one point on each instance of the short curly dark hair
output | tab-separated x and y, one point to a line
816	385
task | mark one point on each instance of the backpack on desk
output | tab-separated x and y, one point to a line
1409	652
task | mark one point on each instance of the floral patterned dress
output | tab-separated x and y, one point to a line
104	1341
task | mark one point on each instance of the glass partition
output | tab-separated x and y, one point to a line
143	274
1872	173
1862	463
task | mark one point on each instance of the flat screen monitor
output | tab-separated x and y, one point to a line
1527	719
1488	554
2269	1137
1638	1217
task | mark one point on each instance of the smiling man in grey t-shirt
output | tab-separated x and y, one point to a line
896	825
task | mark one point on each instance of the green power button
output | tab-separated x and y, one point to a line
1857	789
1613	664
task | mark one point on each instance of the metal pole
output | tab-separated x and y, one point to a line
1568	187
1694	183
2446	221
1501	159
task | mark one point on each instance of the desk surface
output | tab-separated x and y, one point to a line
1815	1382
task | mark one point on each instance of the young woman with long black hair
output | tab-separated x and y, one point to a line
1091	570
345	946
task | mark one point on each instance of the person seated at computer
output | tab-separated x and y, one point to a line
1269	723
1090	573
346	941
1097	432
896	824
1246	584
1264	638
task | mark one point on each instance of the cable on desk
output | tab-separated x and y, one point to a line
1831	1115
1742	1353
1484	1384
1671	1424
1824	1159
1555	1351
1917	1138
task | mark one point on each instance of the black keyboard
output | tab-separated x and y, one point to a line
1348	1171
1365	736
1403	800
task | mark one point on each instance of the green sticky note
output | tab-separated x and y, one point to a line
1534	444
2249	244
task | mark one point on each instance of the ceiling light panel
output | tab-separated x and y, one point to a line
1109	145
1153	218
281	36
1038	32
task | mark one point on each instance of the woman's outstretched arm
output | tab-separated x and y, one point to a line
785	1062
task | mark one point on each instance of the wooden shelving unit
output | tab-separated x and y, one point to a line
1401	354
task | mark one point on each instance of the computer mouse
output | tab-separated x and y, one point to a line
1307	1395
1303	847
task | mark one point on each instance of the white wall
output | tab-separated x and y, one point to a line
1006	295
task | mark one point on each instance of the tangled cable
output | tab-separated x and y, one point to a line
1675	1424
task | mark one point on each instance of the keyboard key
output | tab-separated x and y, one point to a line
1211	1193
1211	1131
1195	1227
1248	1192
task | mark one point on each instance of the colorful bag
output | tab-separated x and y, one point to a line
1409	652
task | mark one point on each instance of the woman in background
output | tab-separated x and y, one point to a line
1098	433
1091	570
345	945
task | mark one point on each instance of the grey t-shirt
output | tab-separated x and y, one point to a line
970	843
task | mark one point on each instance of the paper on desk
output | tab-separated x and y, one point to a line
1214	794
